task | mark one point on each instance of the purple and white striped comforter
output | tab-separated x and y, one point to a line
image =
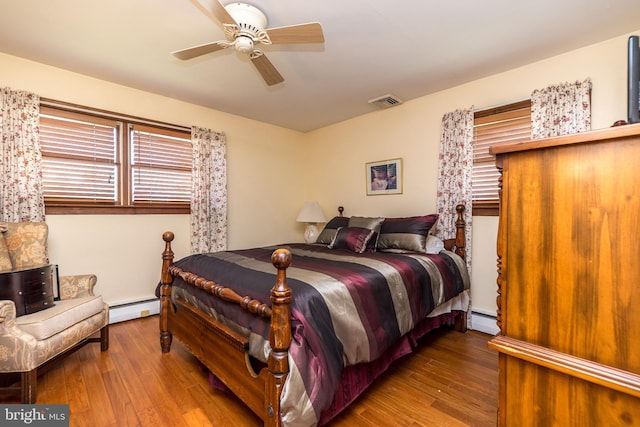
347	308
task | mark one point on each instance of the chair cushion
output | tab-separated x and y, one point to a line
65	313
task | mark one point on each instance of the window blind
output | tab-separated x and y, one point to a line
79	158
97	161
160	166
494	127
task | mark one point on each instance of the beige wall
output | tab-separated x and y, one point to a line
412	131
272	171
264	162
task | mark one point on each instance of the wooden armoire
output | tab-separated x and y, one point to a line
569	280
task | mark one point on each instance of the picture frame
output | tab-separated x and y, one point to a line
384	177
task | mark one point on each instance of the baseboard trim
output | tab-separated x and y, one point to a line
484	323
134	310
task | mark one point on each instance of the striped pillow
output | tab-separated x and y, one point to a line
372	223
329	232
353	238
407	234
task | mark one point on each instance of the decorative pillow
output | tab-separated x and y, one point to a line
372	224
329	232
409	234
353	238
5	259
27	243
434	244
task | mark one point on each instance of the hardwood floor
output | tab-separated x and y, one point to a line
452	380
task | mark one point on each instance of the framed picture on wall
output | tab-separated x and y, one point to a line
384	177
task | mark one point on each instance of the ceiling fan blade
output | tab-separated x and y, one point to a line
200	50
266	69
301	33
217	13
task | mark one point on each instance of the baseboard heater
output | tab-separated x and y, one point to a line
484	322
133	310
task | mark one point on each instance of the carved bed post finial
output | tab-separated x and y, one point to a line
460	230
166	280
340	210
279	336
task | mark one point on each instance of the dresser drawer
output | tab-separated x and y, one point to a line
30	289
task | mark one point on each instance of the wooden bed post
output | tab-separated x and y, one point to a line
279	338
460	230
166	280
460	249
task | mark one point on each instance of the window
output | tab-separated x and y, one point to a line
97	162
509	123
160	166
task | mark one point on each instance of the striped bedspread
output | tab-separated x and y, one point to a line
347	308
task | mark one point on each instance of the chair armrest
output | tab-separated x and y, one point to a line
7	314
17	348
77	286
9	329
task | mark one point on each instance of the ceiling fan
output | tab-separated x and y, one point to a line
245	28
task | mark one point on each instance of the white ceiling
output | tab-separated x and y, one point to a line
408	48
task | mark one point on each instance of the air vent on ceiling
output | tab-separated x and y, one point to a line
386	101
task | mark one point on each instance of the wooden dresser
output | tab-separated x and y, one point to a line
31	289
569	280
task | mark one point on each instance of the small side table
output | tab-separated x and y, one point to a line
31	289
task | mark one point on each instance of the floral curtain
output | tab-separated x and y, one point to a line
455	171
209	191
21	193
561	110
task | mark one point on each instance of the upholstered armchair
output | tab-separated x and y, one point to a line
33	341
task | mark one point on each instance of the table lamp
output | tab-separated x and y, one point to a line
311	213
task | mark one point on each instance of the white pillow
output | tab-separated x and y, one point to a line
434	244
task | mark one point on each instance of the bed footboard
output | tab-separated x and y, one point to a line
223	350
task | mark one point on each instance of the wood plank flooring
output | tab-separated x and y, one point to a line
452	380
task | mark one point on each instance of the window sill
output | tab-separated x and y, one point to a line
485	208
61	209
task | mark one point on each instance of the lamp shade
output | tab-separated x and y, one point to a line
311	212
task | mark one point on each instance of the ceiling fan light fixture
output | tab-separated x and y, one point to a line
244	44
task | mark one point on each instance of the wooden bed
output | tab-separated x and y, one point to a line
224	350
